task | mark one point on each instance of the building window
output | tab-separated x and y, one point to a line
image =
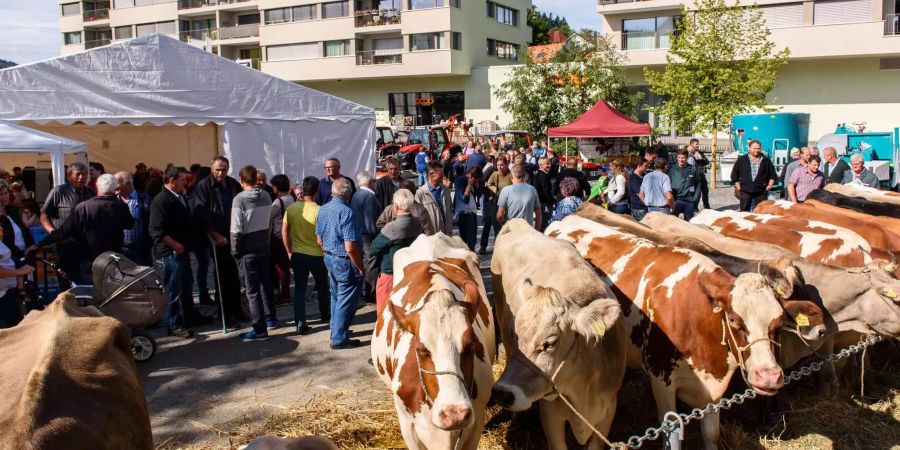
72	38
145	29
648	33
335	9
426	41
289	52
71	9
337	48
279	15
503	14
457	41
502	50
294	14
303	13
424	4
123	32
426	108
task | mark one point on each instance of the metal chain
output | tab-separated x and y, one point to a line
669	426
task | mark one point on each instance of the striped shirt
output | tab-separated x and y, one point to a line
336	225
804	183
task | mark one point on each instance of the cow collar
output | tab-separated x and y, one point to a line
732	344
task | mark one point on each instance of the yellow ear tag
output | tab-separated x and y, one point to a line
600	329
890	293
779	291
802	320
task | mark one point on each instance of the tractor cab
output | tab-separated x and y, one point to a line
508	139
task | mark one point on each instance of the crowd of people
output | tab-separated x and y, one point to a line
259	234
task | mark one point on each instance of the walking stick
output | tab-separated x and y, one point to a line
218	285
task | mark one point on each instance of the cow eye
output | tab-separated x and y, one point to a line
549	343
734	323
423	351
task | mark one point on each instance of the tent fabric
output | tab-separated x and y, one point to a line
20	139
160	80
601	121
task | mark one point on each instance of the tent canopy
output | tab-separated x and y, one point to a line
264	120
601	121
17	138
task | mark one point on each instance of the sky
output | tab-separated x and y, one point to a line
29	29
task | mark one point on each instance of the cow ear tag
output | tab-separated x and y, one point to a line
890	293
600	328
802	320
779	291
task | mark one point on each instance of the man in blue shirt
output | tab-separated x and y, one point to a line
656	189
338	233
476	159
366	209
332	173
137	240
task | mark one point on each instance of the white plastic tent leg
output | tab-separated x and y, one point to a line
58	167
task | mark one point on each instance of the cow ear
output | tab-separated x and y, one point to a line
399	316
597	317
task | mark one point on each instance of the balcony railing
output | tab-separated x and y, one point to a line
252	63
96	14
376	17
96	43
892	25
239	31
374	57
645	40
199	35
189	4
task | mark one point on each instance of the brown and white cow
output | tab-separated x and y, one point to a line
888	223
866	192
434	343
840	248
691	324
559	322
860	300
876	235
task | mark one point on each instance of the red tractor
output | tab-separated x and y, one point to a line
508	139
434	139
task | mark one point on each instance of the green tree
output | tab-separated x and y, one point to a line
543	95
542	24
720	63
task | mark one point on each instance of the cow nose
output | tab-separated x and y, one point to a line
767	381
503	397
454	417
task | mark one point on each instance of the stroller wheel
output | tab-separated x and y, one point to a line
143	347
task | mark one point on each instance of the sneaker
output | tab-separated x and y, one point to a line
302	329
183	333
351	343
271	324
254	336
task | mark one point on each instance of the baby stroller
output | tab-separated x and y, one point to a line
131	293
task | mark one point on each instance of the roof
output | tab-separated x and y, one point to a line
544	53
601	120
158	79
18	138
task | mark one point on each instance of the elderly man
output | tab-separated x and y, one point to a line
859	174
436	199
396	235
262	182
98	223
416	210
519	200
753	176
365	208
388	184
332	174
213	197
59	205
834	168
656	189
804	181
251	211
137	239
339	235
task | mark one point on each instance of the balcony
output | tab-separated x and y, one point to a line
96	15
377	17
199	35
96	43
892	25
190	4
645	40
386	56
239	31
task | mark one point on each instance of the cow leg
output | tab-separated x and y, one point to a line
709	426
554	424
665	402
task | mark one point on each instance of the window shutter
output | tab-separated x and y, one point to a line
842	11
783	16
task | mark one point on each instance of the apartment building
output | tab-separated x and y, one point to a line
844	64
423	59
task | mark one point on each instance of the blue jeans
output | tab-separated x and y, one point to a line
638	214
422	177
346	285
488	221
685	207
660	209
620	208
176	274
303	265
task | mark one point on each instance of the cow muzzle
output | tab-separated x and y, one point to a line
452	417
766	381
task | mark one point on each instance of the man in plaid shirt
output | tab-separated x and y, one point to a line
137	240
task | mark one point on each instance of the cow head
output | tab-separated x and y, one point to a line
807	321
751	326
440	365
548	330
876	305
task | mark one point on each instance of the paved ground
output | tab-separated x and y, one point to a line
216	382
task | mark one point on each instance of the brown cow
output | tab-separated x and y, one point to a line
433	344
69	381
876	235
559	321
889	223
691	324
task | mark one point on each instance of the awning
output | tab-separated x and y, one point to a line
601	121
19	139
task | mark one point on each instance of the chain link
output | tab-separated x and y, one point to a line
667	427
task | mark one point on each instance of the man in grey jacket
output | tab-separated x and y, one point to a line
251	210
858	173
435	197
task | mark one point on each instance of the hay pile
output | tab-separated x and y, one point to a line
366	419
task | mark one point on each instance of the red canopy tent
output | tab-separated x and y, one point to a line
601	121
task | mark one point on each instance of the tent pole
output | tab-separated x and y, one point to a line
216	133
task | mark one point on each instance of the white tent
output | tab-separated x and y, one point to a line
155	80
19	139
